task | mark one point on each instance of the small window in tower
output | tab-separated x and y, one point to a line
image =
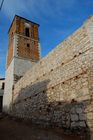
28	45
3	85
27	32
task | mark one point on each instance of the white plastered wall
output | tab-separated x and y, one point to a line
9	81
21	66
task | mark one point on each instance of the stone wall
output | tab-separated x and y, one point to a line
58	89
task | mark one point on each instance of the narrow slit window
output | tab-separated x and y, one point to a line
28	45
27	32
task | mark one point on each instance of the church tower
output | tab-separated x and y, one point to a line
23	53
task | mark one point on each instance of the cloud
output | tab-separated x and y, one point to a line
11	7
47	8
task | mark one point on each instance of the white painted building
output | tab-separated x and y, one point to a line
2	85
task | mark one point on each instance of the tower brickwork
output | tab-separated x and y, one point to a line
23	53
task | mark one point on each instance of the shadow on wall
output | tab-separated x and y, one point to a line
39	105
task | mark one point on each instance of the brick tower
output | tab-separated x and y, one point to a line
23	53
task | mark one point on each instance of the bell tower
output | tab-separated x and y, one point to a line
23	53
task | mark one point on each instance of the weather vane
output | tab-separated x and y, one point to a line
1	4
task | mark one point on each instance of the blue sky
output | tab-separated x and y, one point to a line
57	19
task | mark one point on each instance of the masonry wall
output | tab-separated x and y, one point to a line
58	89
18	27
31	52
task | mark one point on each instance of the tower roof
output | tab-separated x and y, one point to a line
23	19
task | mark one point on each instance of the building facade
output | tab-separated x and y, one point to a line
58	90
23	53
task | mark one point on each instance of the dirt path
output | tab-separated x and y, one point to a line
12	130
